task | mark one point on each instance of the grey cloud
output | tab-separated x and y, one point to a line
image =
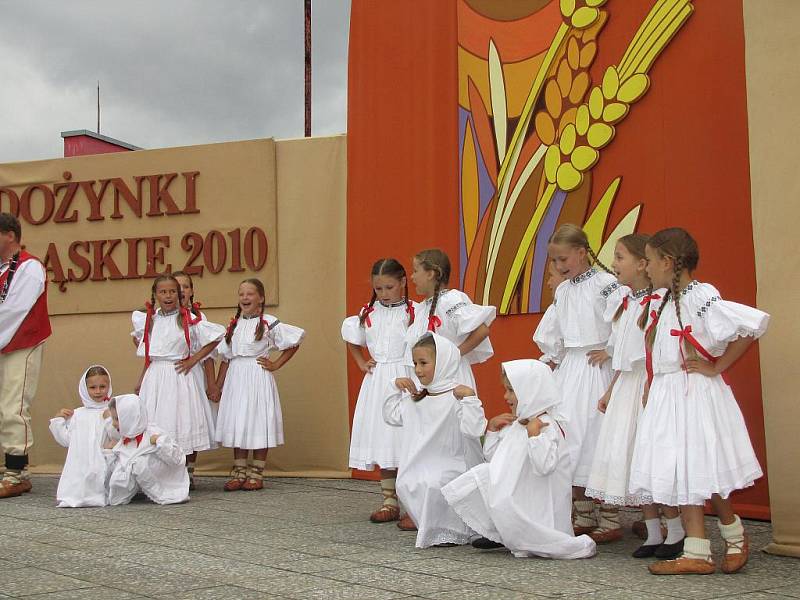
172	73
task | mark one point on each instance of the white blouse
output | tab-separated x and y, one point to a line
277	336
383	334
167	337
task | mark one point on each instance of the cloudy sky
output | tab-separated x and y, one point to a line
171	73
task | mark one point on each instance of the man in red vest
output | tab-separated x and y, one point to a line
24	326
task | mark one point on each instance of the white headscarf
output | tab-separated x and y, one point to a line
448	359
535	388
83	391
131	414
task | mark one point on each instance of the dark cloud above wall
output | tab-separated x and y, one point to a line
171	73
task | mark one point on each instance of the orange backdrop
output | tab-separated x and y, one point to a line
682	153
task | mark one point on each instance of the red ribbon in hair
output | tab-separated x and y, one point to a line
365	312
138	439
410	312
648	352
625	303
186	318
686	334
433	323
194	314
649	298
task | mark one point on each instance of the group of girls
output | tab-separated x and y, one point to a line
628	406
182	402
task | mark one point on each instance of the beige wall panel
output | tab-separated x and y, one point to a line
311	228
772	39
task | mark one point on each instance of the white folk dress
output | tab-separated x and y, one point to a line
134	464
83	478
374	442
456	317
433	449
610	474
522	498
250	409
175	403
576	327
692	440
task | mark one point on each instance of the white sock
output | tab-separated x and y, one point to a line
697	548
675	532
654	537
733	534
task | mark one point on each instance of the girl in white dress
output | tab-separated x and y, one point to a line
622	406
381	328
575	335
82	431
522	498
250	410
451	314
692	443
203	372
175	402
435	424
145	459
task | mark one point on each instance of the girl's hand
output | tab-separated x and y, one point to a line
213	392
535	426
405	383
184	366
462	391
153	439
704	367
368	366
602	405
267	364
598	358
497	423
65	413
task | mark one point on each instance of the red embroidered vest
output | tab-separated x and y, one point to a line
36	327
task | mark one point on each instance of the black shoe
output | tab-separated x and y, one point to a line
486	544
644	551
669	551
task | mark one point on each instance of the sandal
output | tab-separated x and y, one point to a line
255	479
238	477
385	514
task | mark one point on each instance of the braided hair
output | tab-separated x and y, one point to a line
677	244
389	267
260	329
437	261
194	307
574	236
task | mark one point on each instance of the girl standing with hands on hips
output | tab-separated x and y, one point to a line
692	443
381	328
250	415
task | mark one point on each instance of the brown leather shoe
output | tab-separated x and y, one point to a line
406	523
12	490
606	536
233	485
385	514
731	563
252	485
683	566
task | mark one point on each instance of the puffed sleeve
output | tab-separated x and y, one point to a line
466	315
543	449
392	408
138	320
206	332
224	350
59	427
471	417
286	336
353	332
491	442
548	336
727	321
